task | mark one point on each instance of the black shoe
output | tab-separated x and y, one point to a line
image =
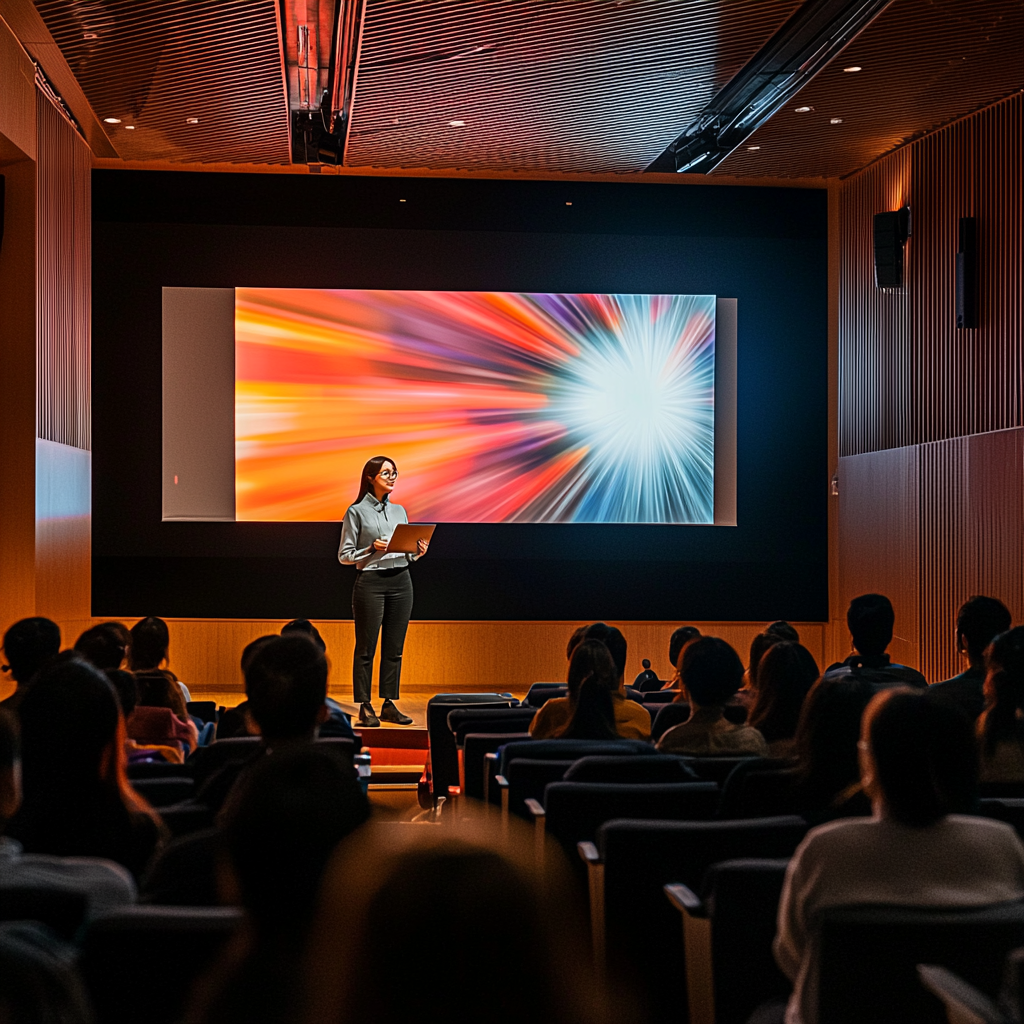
389	713
367	719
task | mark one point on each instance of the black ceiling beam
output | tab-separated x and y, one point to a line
779	70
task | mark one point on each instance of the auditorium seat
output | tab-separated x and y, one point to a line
758	788
572	812
660	696
162	792
1001	790
645	768
444	758
868	958
185	872
160	770
573	750
204	710
540	693
966	1004
715	769
629	864
525	778
63	910
476	767
479	720
727	937
206	760
1008	810
185	818
140	963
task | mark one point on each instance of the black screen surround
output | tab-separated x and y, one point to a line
766	247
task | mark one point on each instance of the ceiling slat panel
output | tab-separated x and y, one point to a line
565	85
156	63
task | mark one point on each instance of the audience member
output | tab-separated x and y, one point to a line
237	721
447	909
127	690
978	622
772	634
677	642
337	723
1000	727
919	767
28	645
870	619
711	672
632	720
150	644
280	828
160	715
77	800
105	884
785	675
105	646
579	634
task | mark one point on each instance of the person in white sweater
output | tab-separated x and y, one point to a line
919	766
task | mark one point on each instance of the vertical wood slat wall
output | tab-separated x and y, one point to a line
63	279
909	380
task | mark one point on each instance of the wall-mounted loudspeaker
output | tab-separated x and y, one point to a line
891	231
967	275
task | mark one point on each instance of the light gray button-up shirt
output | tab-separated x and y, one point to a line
366	521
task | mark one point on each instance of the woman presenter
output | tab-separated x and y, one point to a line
382	595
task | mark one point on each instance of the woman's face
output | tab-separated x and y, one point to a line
384	481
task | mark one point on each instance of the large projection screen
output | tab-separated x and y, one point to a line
499	407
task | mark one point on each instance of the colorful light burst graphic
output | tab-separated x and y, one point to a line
498	407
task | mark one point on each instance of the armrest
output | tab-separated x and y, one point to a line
964	1003
685	900
501	781
534	807
588	852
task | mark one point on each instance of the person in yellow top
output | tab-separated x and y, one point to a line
632	720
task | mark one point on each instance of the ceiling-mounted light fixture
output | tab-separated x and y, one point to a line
804	110
191	120
112	120
836	120
852	68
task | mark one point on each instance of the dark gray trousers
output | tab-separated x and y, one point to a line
381	604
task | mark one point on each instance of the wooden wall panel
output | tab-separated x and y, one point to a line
878	538
946	551
64	255
907	374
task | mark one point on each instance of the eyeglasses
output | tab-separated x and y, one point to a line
386	475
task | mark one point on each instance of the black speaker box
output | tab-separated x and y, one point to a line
967	275
891	231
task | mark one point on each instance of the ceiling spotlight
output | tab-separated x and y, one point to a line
568	204
854	67
457	124
752	148
191	120
804	110
836	120
112	120
129	127
90	35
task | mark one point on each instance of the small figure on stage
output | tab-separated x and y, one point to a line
382	595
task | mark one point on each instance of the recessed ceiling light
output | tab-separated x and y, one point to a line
191	120
112	120
752	148
457	124
852	68
804	110
568	204
401	200
90	35
129	127
836	120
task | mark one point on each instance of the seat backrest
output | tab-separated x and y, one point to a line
340	746
868	957
474	748
758	788
444	757
633	769
1009	810
573	750
185	872
185	818
1001	790
63	910
667	716
660	696
575	810
164	792
478	720
206	760
540	693
641	857
527	779
742	897
139	963
159	770
204	710
716	769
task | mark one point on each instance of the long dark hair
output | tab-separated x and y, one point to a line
784	676
150	640
593	716
370	470
1004	691
591	660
